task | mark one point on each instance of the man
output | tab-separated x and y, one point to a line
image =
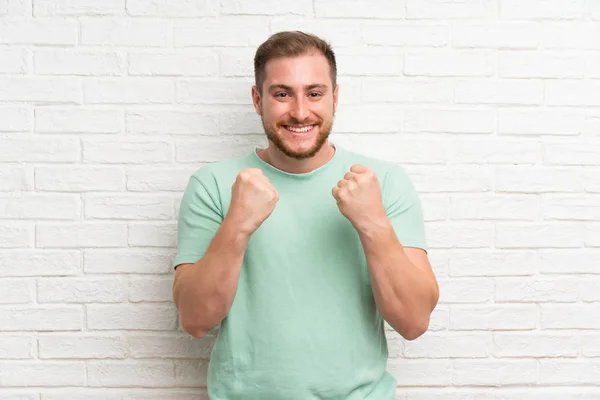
300	251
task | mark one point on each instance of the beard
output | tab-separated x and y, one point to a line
273	135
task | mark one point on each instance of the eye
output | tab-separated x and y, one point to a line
282	95
315	94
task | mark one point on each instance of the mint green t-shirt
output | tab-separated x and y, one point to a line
303	324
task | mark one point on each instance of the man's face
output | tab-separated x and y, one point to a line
297	104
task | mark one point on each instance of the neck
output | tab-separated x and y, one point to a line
273	156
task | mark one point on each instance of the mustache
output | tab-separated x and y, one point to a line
299	123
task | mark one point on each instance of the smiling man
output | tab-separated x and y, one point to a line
300	251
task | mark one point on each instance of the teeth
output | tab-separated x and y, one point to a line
300	130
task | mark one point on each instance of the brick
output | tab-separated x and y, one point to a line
172	346
191	372
590	345
15	234
13	8
45	31
360	63
212	149
83	345
18	395
463	178
592	235
559	261
38	149
128	207
500	92
238	62
542	9
571	207
40	90
131	317
445	235
494	317
494	207
538	290
446	345
439	319
76	8
121	394
393	147
383	122
125	32
80	179
39	206
554	393
14	60
269	7
492	263
540	65
561	372
406	34
522	372
455	63
449	121
172	122
573	93
590	290
127	373
339	31
540	122
538	235
77	62
580	152
163	179
535	345
435	208
500	35
580	35
235	120
143	261
39	263
386	9
465	290
128	91
441	9
197	63
212	92
151	289
15	291
221	32
535	179
494	150
80	290
443	394
591	180
127	151
162	234
30	373
14	119
410	90
77	120
571	316
176	8
421	372
16	348
41	318
13	178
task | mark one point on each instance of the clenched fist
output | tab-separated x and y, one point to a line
358	196
253	199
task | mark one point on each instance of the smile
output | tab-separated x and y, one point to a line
299	129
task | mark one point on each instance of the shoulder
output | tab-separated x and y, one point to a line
222	172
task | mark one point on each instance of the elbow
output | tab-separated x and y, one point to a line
414	332
192	329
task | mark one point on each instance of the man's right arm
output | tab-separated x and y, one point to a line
204	291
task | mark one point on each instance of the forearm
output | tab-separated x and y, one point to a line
205	290
405	295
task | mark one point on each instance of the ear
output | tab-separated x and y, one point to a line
335	97
256	100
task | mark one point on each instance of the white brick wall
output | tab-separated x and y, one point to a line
107	107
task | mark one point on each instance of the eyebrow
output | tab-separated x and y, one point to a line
307	87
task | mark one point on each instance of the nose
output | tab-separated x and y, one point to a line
299	109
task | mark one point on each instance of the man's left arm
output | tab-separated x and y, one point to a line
404	285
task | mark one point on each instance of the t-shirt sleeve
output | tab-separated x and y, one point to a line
403	208
199	220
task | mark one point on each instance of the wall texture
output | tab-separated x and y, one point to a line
107	107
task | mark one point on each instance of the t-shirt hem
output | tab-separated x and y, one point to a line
186	259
